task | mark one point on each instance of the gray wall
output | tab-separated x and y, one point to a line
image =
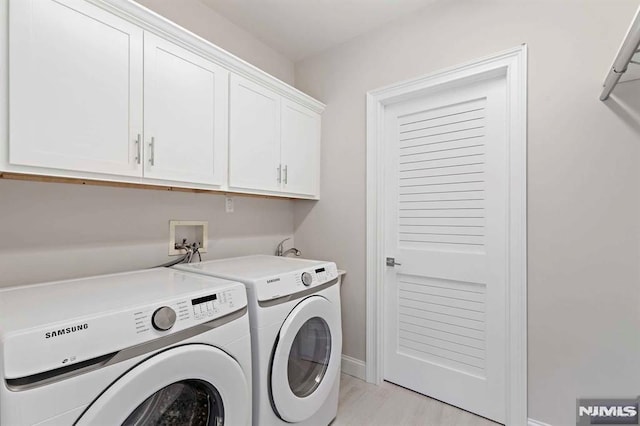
583	171
55	231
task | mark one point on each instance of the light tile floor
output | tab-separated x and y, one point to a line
363	404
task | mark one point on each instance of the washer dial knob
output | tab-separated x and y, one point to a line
163	318
306	279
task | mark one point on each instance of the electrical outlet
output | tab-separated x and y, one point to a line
194	231
228	204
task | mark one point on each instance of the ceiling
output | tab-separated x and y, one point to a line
301	28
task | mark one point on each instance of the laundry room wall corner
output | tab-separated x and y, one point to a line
581	232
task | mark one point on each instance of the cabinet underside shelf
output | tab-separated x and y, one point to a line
79	181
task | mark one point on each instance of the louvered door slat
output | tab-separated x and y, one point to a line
443	119
421	168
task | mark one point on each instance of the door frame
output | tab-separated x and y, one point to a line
512	64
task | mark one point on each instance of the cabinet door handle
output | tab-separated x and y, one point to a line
151	149
286	174
280	173
138	149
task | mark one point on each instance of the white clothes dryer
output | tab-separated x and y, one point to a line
151	347
296	333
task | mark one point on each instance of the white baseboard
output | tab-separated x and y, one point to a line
532	422
353	367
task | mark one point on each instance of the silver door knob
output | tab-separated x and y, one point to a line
391	261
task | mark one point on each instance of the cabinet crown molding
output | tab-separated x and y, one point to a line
155	23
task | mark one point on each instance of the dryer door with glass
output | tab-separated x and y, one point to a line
190	385
306	359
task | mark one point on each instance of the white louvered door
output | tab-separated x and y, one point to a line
446	178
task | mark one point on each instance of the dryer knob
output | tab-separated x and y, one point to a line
306	279
163	318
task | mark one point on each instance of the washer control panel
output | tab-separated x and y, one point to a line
185	313
211	305
85	337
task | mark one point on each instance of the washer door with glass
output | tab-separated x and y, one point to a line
191	385
306	359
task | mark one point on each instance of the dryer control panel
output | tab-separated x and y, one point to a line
297	281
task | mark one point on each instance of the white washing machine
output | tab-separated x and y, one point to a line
296	333
143	348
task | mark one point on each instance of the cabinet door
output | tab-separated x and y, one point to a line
185	114
254	139
75	83
300	149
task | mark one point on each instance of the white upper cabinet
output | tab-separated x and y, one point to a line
254	137
185	114
75	84
300	149
107	90
274	143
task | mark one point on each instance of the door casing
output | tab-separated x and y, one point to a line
513	64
